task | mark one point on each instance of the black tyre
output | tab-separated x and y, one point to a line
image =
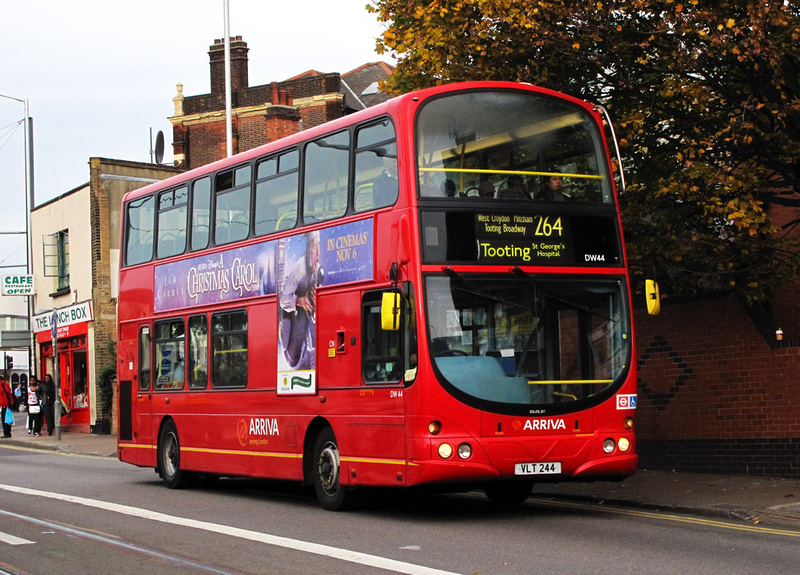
508	494
331	494
169	458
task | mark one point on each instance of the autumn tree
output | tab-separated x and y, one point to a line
706	101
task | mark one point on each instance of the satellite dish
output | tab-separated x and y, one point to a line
159	147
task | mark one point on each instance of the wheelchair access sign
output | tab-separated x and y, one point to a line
21	284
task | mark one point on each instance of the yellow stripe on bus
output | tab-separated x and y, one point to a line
567	381
271	454
509	172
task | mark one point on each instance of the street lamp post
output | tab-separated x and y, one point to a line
28	205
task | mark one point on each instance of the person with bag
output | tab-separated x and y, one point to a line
37	399
49	388
6	402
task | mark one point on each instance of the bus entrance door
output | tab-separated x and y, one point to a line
142	402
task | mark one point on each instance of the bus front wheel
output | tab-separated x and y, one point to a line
169	458
331	494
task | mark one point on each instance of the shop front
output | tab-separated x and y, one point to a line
70	355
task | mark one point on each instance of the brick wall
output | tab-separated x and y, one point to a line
206	144
714	395
787	309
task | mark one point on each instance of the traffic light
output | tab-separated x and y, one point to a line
9	363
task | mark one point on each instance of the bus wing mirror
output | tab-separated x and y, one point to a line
390	311
653	297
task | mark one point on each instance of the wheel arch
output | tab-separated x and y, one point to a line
167	419
312	432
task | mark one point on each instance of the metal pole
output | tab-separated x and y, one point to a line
29	203
28	231
228	114
56	372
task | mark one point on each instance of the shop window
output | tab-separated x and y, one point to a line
56	259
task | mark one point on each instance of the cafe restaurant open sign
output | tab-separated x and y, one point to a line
18	284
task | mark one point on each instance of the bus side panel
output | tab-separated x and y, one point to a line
262	343
339	345
136	287
367	418
246	432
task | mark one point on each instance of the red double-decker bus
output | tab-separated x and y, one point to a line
429	292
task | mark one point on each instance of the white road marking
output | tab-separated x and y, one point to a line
12	540
277	541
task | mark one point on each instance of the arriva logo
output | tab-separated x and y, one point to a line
258	427
544	425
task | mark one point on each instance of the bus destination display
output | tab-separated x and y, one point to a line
520	238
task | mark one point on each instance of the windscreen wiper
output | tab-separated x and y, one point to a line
573	305
464	287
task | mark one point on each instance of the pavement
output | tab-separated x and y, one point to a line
753	499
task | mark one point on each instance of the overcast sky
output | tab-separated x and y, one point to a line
100	74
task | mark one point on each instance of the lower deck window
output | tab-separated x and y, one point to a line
229	345
169	351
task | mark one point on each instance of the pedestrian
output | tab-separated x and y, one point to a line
6	402
36	402
50	405
17	397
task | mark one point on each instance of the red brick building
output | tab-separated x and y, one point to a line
262	114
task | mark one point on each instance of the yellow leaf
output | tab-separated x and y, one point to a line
730	23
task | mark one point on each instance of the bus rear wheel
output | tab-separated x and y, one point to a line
332	495
508	494
169	458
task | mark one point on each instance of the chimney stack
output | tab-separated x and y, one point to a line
216	54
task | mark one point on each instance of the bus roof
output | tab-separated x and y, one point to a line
317	131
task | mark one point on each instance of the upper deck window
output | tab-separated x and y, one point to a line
232	211
140	227
510	146
172	222
376	183
326	178
276	193
201	213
